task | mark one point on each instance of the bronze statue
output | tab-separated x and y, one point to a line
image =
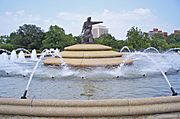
86	30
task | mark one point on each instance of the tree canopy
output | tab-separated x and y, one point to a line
27	36
56	38
31	37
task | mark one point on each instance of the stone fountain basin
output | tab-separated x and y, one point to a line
126	108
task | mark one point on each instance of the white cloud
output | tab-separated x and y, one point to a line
10	21
8	13
117	22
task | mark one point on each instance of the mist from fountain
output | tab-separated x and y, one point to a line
13	56
21	56
33	55
4	57
118	71
57	53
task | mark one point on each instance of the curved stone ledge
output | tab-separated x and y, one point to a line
89	108
90	54
94	62
87	47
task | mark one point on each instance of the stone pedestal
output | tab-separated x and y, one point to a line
88	55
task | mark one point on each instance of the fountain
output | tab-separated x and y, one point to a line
68	77
21	56
13	56
22	49
4	57
34	55
31	76
151	48
6	51
89	81
125	47
164	75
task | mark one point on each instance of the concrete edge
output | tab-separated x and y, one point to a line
89	108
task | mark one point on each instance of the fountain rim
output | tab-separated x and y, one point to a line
89	108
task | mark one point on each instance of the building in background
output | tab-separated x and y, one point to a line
176	32
156	30
99	30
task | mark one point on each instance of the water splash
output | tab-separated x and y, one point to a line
56	52
119	71
4	57
13	56
63	63
33	55
21	56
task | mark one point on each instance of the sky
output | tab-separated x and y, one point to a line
117	15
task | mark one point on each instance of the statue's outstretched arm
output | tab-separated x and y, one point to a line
96	22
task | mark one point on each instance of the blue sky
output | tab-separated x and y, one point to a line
118	15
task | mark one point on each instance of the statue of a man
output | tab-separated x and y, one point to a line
86	30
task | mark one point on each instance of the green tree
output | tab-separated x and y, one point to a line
7	46
78	39
136	39
159	42
173	38
108	39
4	39
5	43
56	38
27	36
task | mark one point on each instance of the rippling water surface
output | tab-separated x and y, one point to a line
142	79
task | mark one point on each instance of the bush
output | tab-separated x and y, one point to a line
8	47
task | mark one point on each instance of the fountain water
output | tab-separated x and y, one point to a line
125	59
125	47
101	75
4	57
13	56
164	75
151	48
6	51
57	53
172	49
23	49
44	52
31	76
34	55
21	56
